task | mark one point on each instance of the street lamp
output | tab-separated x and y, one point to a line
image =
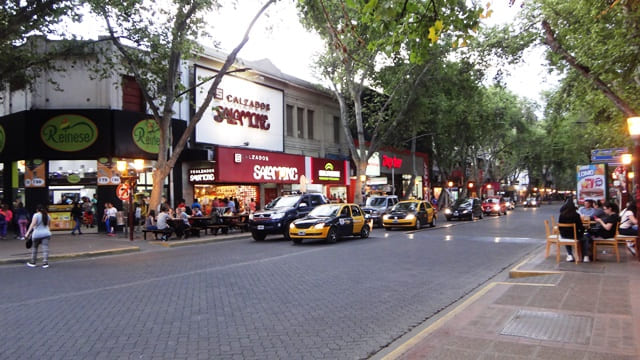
633	123
131	181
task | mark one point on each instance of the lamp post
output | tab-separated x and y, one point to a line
131	180
633	123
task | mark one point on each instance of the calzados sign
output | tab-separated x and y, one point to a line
69	133
202	175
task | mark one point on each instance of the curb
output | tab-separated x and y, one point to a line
516	273
79	255
172	244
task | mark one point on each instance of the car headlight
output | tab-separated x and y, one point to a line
276	216
410	217
318	226
385	217
496	207
251	216
447	211
292	226
375	212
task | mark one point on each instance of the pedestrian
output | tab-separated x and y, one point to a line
112	213
150	221
22	214
40	234
628	221
5	218
76	214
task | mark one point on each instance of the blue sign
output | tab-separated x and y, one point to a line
608	156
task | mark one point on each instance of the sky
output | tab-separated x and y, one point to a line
281	38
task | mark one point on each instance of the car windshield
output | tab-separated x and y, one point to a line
492	201
405	206
283	202
463	202
325	210
376	201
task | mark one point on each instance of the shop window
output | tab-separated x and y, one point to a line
336	129
310	124
300	123
131	95
289	115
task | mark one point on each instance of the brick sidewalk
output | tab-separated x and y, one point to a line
573	311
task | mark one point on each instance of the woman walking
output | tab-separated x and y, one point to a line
41	235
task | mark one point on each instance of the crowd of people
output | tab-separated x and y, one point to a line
603	218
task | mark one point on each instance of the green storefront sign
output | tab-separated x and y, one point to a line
146	135
69	133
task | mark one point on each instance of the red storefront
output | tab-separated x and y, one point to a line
246	174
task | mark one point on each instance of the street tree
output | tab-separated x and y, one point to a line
20	59
360	36
153	43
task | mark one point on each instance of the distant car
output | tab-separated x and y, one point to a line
331	222
377	206
464	209
494	206
410	214
531	202
511	204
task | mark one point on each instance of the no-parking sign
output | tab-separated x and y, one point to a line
122	191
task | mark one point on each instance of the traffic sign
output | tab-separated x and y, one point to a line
123	190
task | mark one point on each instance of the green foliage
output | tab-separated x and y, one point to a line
19	59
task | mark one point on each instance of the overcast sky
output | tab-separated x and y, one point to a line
280	38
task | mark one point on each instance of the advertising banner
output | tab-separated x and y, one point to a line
108	174
327	171
241	113
34	174
591	182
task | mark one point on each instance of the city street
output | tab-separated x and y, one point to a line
242	299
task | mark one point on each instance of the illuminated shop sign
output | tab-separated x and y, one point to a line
251	166
241	113
202	175
326	171
69	133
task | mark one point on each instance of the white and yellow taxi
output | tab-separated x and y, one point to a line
331	222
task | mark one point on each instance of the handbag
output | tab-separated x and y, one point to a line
29	242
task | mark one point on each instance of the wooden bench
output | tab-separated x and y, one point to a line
156	232
214	228
194	231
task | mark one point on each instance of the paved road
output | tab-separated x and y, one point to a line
256	300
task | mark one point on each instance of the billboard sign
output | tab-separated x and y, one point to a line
591	182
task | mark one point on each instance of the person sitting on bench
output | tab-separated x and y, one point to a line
163	223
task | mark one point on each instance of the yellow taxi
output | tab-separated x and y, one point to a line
331	222
410	214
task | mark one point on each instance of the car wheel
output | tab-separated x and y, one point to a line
364	233
332	236
286	232
258	237
433	221
418	225
479	216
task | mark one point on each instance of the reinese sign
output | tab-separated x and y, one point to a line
242	112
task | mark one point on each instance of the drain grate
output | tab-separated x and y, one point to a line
542	325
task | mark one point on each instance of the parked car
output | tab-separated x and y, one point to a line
462	209
494	206
410	214
279	213
331	222
377	206
531	202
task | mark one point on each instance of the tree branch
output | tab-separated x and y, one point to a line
584	70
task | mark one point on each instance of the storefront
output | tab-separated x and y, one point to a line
56	157
392	173
246	174
332	176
